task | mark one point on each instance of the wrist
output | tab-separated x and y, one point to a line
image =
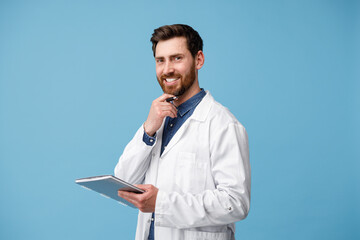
149	133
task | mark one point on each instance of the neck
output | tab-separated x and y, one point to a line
192	91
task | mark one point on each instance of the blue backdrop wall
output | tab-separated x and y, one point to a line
77	79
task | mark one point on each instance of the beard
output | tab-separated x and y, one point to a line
185	82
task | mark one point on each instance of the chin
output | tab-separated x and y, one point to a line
177	92
172	91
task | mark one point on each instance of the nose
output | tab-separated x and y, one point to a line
169	68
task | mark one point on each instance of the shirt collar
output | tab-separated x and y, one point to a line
190	103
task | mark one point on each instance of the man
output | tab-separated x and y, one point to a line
191	153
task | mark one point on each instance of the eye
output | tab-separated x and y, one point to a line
159	60
177	58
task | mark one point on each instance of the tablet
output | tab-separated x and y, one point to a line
108	186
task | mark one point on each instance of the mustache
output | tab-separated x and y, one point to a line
172	75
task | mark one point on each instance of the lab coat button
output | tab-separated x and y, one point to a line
229	208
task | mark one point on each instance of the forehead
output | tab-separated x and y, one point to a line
177	45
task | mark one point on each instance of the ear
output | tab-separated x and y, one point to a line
199	59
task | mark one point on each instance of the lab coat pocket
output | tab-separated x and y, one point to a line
190	174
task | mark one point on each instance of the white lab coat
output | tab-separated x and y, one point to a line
203	176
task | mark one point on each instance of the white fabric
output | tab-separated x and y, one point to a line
203	176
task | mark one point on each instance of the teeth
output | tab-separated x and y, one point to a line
171	79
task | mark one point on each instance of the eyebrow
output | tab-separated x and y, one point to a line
171	56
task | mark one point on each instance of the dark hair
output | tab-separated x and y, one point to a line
193	39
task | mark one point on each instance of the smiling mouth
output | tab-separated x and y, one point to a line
170	80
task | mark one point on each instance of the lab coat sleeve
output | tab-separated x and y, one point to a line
228	202
135	160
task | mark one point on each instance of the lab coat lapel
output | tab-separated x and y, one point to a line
176	137
159	133
199	114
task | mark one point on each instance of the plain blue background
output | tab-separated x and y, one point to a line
77	79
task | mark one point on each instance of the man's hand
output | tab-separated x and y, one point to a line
158	111
146	201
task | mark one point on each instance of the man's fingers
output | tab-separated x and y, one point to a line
165	109
163	97
167	112
168	106
128	196
158	111
144	187
146	201
123	194
138	200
